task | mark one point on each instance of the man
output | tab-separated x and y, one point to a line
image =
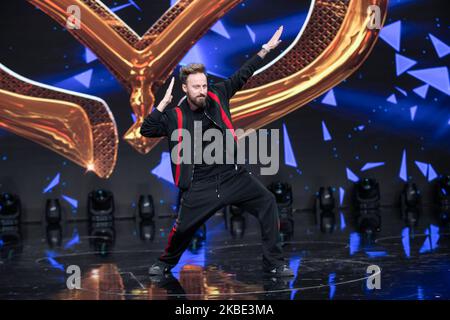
206	188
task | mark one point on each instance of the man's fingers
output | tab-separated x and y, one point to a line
171	84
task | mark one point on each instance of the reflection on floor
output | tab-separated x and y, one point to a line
330	260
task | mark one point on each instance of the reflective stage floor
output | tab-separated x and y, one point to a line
329	261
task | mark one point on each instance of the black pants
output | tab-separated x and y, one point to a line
205	197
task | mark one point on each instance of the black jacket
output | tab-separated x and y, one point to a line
159	124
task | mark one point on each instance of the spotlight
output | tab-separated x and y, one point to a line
53	211
146	207
367	204
410	201
10	242
325	200
443	192
411	216
368	221
283	196
102	236
282	192
327	221
367	194
10	209
100	205
54	235
147	230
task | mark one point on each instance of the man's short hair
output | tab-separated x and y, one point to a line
191	68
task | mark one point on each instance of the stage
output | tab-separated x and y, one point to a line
329	261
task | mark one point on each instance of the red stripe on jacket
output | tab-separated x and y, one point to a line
225	118
180	126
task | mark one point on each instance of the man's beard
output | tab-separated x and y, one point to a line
199	102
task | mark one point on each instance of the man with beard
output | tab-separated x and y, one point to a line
206	188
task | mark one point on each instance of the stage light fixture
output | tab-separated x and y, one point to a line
146	207
147	230
367	194
327	221
367	205
443	199
283	196
410	204
54	235
101	205
53	211
102	237
10	209
325	199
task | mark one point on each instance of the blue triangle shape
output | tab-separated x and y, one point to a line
442	49
351	176
193	56
403	170
391	34
403	92
251	33
422	90
163	170
406	242
289	157
89	56
341	195
392	99
431	173
330	99
370	165
413	111
423	167
84	78
435	77
326	134
403	63
219	28
71	201
53	183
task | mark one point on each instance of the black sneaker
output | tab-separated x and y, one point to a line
159	268
279	271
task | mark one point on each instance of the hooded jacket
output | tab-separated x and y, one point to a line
217	109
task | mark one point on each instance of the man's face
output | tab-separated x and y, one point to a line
196	89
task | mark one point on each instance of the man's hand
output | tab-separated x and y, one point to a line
272	44
167	97
275	41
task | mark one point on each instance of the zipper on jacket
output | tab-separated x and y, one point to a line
210	118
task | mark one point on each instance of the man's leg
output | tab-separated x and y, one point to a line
247	192
197	205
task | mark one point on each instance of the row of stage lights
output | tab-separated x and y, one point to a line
366	205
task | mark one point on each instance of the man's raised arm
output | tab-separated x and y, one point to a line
156	123
233	84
